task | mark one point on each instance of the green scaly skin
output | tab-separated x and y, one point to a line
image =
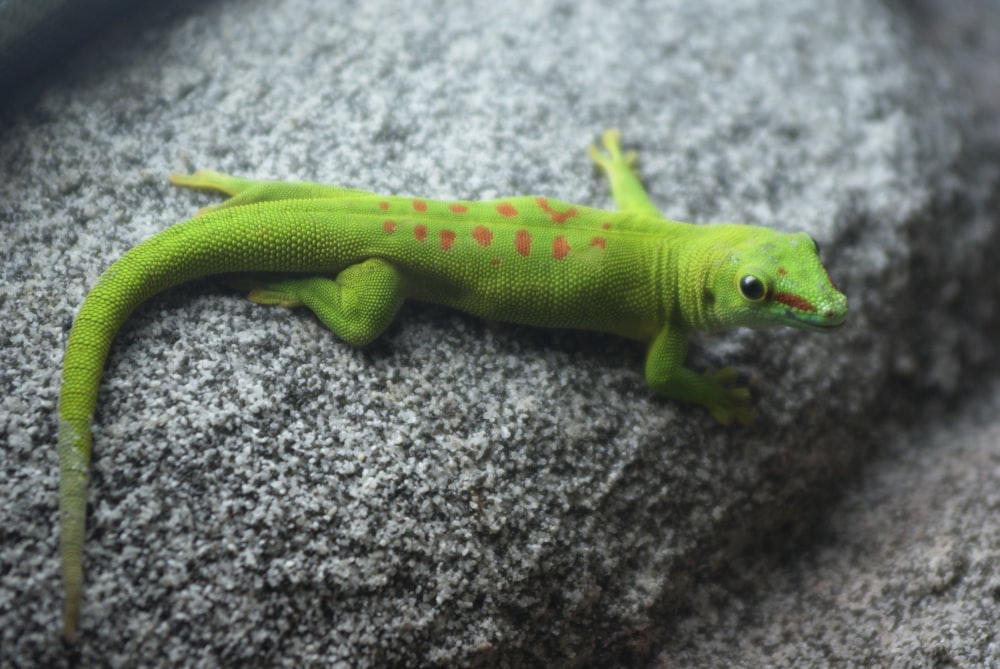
526	260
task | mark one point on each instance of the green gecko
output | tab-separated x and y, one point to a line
530	260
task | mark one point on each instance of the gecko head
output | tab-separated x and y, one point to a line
762	277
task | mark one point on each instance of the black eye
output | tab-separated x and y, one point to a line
752	288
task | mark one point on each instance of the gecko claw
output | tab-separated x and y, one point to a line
611	155
731	403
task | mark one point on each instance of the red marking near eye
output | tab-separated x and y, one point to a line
447	239
482	235
420	205
389	226
506	209
782	271
605	226
560	248
495	261
556	216
599	242
794	301
383	205
522	242
458	208
420	232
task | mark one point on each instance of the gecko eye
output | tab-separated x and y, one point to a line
752	288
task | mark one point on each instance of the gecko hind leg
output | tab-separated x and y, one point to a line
248	191
358	305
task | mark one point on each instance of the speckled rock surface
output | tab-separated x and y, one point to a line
902	570
460	492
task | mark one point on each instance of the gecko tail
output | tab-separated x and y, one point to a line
74	455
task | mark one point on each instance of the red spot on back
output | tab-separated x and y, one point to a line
458	208
383	205
506	209
599	242
447	239
556	216
420	232
495	261
420	205
482	235
782	271
522	242
389	226
794	301
560	248
605	226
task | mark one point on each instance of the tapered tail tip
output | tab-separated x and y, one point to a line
69	621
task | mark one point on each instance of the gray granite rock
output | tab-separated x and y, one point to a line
902	570
901	573
459	492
